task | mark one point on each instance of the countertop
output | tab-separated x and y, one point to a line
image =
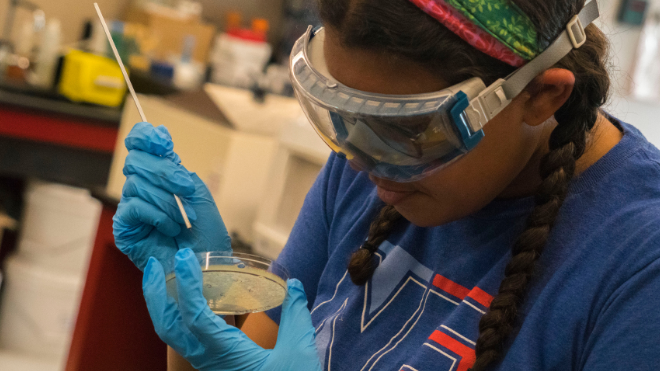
43	135
23	96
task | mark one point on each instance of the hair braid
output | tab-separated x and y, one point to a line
496	325
362	266
567	143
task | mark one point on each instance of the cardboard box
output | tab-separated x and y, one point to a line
171	30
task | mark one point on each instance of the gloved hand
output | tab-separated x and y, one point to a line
148	222
208	343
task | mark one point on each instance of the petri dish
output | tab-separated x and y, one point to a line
236	283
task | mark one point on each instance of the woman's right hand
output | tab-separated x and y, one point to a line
148	222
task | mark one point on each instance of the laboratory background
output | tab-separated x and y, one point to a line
214	72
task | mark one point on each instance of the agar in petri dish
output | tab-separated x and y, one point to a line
236	283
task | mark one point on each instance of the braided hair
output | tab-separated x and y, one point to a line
362	266
567	144
370	24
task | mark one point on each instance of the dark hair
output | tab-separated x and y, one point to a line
400	28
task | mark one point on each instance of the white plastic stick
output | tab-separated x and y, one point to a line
183	212
135	99
121	64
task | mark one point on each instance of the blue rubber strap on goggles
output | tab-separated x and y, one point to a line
340	128
470	140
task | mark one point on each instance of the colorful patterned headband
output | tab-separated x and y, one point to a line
495	27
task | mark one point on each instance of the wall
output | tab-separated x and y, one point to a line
624	39
72	13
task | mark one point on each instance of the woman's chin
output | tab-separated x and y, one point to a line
425	212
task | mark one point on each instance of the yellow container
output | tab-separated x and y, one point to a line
92	78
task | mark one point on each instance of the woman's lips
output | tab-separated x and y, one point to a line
392	197
390	192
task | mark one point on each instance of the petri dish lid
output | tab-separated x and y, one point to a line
237	283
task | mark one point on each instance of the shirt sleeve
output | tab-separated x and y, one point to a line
627	333
306	252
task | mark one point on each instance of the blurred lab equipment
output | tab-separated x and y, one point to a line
94	39
45	136
189	7
17	67
44	278
162	70
48	55
646	75
37	13
24	42
240	55
169	27
92	78
171	42
58	227
15	56
188	73
633	12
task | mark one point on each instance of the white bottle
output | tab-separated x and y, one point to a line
188	74
49	53
25	42
237	61
98	43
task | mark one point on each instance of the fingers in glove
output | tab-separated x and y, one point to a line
200	319
136	186
164	313
136	212
150	139
296	321
232	348
194	309
155	140
161	172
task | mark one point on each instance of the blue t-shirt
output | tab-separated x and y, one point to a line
594	303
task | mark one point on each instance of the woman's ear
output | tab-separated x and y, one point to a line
547	93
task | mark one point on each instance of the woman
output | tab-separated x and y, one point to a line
512	227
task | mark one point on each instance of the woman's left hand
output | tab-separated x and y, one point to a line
208	342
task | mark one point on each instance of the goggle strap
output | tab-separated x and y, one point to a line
572	38
498	95
487	105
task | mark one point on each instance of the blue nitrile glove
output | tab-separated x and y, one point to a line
148	221
208	342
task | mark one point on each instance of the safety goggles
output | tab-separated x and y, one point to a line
406	137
